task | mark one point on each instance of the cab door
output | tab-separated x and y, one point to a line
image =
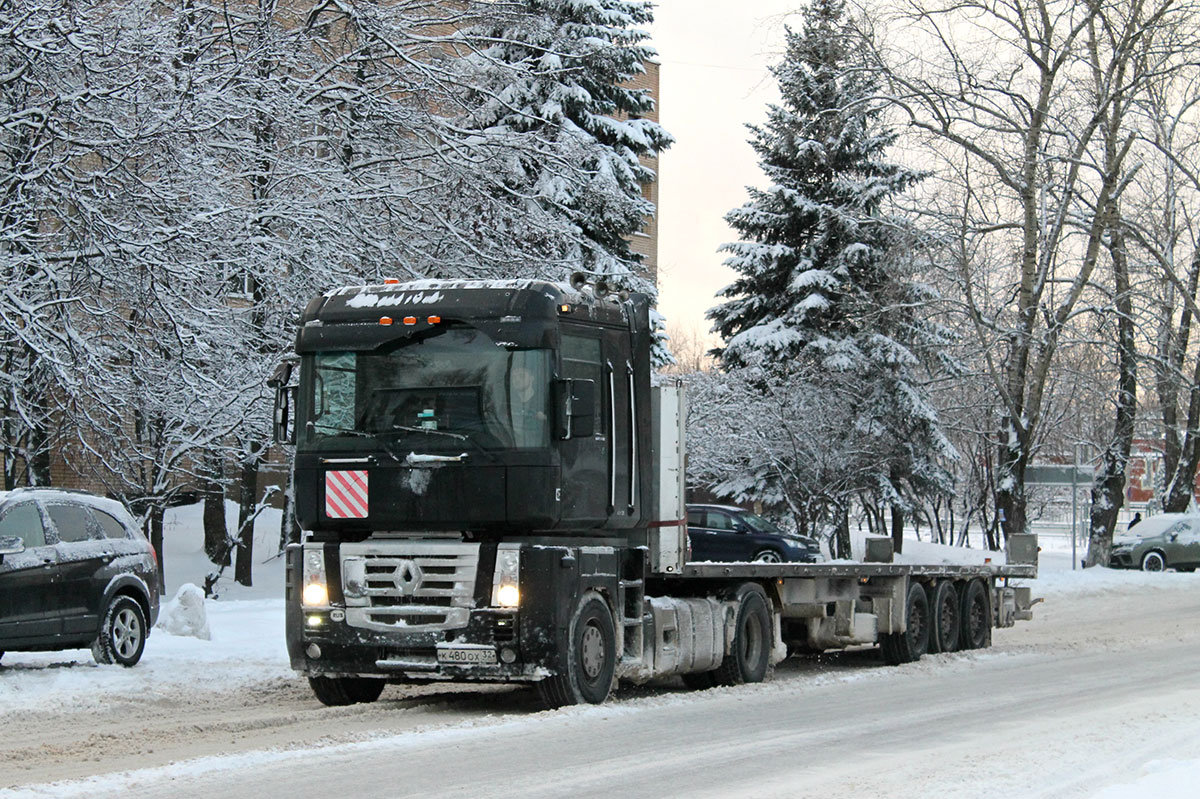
585	459
28	580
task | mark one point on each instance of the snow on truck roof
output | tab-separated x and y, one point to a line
415	292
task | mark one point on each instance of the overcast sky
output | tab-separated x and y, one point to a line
714	55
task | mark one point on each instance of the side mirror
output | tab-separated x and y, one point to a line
574	408
284	431
740	526
11	545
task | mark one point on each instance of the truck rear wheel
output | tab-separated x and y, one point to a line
945	608
339	691
750	651
976	616
586	668
909	645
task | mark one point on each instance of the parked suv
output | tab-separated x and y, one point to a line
728	534
1165	541
74	572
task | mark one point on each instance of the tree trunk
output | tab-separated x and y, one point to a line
841	539
215	532
1108	491
243	572
154	531
897	529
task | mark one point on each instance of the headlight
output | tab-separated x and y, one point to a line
506	583
314	593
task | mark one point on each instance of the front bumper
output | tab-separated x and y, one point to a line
488	648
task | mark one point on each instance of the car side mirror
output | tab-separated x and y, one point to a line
574	408
740	526
11	545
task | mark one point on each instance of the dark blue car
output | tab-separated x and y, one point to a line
727	534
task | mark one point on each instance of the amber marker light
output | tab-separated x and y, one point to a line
410	320
564	309
391	281
434	320
385	320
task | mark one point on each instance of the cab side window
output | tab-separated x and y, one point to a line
112	527
581	361
72	522
25	522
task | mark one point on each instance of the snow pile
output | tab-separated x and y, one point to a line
185	614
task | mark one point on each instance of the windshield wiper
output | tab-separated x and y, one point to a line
458	436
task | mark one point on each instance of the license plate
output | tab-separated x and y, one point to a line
463	656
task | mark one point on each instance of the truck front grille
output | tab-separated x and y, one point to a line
409	586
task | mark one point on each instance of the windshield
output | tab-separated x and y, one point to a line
441	389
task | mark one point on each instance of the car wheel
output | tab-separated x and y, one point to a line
339	691
767	556
1153	562
122	635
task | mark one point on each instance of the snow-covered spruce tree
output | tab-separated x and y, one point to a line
825	302
555	80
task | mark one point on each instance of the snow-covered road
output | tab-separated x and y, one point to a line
1099	696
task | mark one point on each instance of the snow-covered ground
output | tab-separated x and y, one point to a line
246	656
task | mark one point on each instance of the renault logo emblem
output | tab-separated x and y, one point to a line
407	577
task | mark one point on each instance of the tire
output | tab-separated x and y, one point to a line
976	617
700	680
767	556
945	613
586	669
908	646
122	636
750	651
1153	561
340	691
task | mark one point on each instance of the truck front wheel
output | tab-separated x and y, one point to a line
750	650
586	669
338	691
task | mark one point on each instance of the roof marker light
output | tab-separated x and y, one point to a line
385	320
391	281
410	320
434	320
564	308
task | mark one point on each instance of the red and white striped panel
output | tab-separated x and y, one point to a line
346	495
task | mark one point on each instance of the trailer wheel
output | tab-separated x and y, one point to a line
750	650
945	610
976	616
586	668
909	645
339	691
